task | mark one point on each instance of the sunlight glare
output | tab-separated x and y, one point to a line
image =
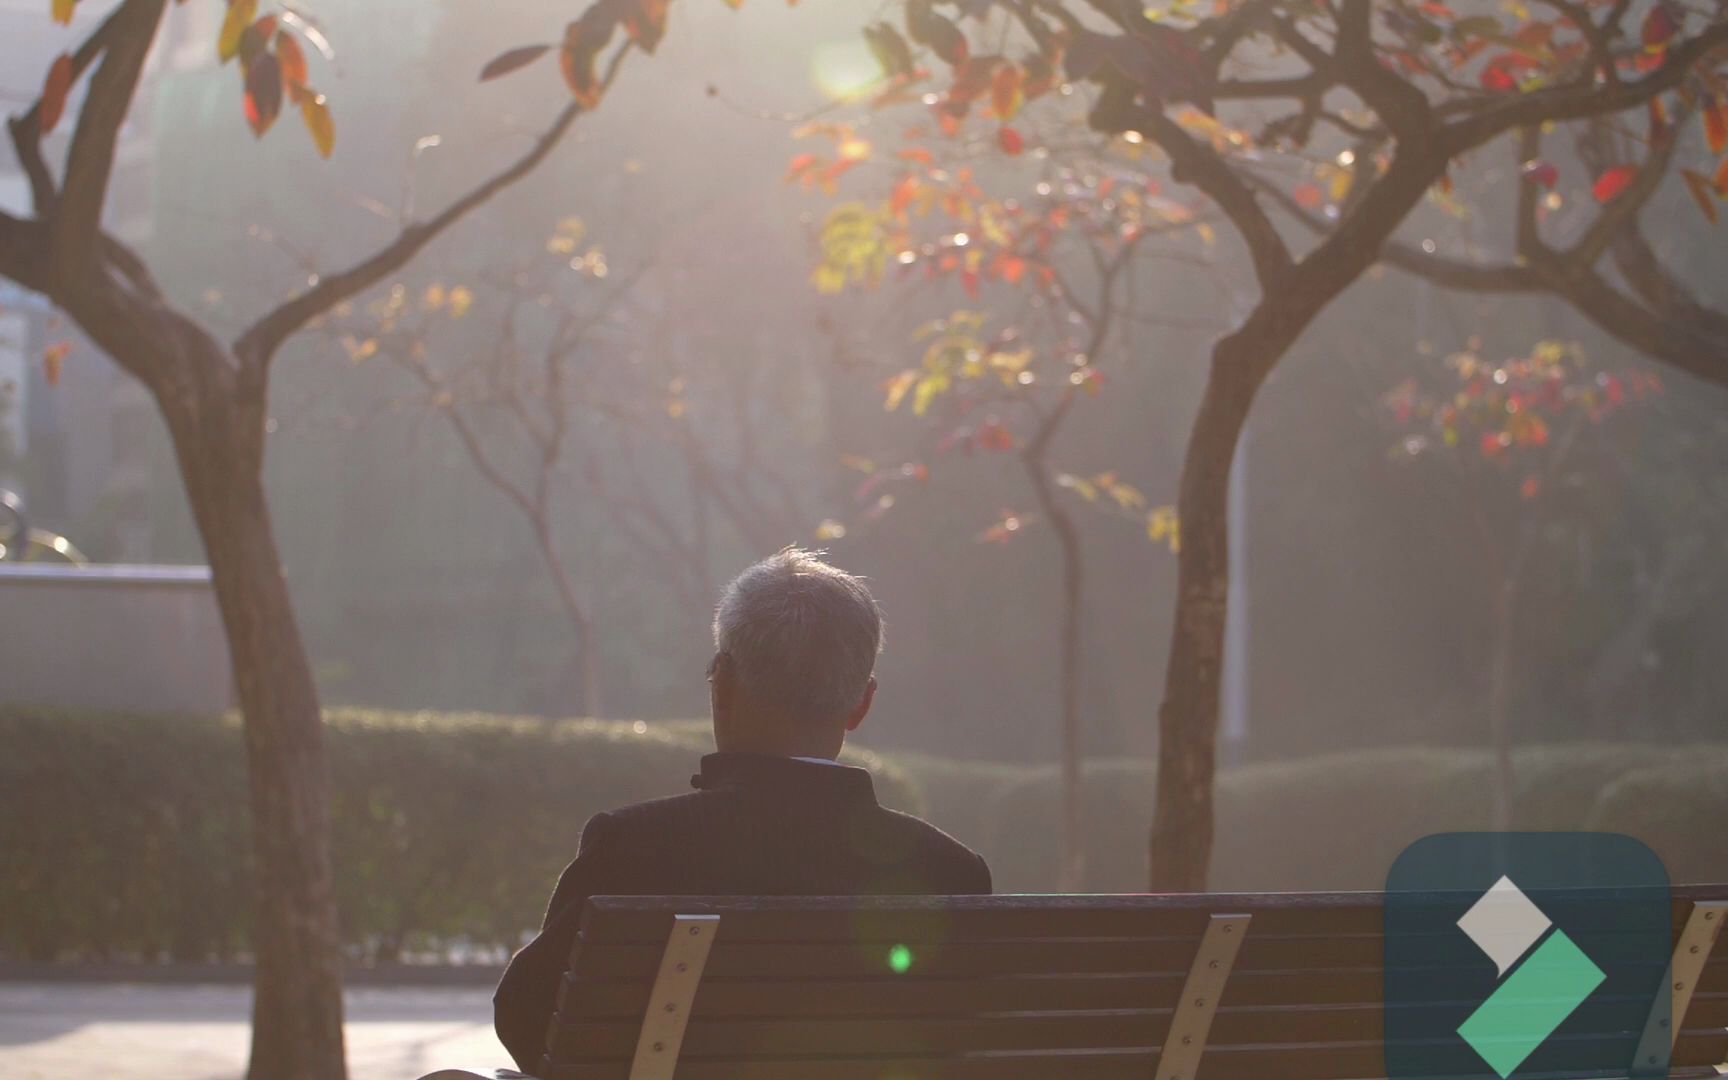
843	69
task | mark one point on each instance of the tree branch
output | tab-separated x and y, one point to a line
1195	164
259	343
1580	103
76	220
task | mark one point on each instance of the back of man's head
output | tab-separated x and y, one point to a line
795	642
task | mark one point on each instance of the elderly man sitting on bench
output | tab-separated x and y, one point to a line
795	644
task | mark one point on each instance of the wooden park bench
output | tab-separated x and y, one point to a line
1192	987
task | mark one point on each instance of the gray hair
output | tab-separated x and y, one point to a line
803	635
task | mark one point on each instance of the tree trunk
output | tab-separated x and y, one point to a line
1072	874
297	996
1181	845
586	666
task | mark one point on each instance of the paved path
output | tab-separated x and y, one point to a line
69	1031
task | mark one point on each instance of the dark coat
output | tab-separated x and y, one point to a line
756	826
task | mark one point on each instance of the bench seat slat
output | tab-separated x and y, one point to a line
1338	1061
1232	1026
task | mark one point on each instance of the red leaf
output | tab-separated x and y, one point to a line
263	92
919	155
505	63
1660	26
1531	487
1541	172
53	104
1310	197
1721	181
1010	140
799	165
1616	180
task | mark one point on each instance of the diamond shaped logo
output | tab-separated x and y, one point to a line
1518	954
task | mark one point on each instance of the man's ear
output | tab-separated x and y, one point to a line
863	708
722	683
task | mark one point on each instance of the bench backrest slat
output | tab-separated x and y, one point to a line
1003	987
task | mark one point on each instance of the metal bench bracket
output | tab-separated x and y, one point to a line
1192	1018
1691	952
674	989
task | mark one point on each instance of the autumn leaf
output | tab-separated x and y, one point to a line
63	11
1005	91
53	104
263	93
1010	140
322	126
926	27
1659	28
904	192
583	40
645	22
1613	182
895	389
892	53
1309	197
1540	172
1721	181
293	60
1716	127
1700	187
234	26
53	359
512	60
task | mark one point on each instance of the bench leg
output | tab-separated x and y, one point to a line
1192	1018
1691	952
669	1002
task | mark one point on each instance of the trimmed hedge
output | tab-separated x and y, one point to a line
1338	821
127	836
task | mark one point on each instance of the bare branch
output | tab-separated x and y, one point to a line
259	343
26	130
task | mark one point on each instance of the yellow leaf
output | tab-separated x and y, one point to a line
320	123
239	17
434	298
63	11
461	299
1162	525
929	388
896	388
829	279
1083	488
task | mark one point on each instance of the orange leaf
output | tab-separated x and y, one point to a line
904	192
1721	181
646	23
918	154
803	163
1699	185
1010	140
1716	127
53	358
1616	180
63	11
583	40
1310	197
53	104
1005	95
292	59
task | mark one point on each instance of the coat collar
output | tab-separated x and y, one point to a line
769	772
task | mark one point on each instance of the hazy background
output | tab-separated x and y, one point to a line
1367	595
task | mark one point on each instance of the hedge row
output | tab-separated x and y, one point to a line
1338	821
127	837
